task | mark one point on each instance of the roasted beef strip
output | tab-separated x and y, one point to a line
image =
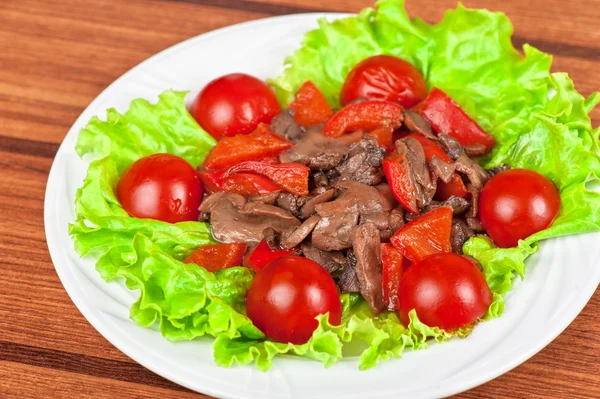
363	163
331	261
494	171
316	150
366	246
233	219
292	237
348	281
417	124
285	126
460	234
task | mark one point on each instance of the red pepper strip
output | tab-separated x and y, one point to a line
427	235
219	256
392	263
446	116
263	255
456	188
292	177
366	115
397	174
310	106
212	180
444	191
248	184
384	135
254	146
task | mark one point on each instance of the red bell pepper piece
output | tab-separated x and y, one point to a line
219	256
446	116
254	146
456	187
310	106
384	135
397	174
239	183
292	177
365	115
262	255
212	180
427	235
392	269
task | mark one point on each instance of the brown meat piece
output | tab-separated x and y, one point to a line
309	207
474	209
366	245
445	171
316	150
285	126
494	171
331	261
354	197
363	163
288	202
451	145
387	222
415	155
348	280
293	237
475	150
334	233
475	173
389	201
212	200
231	222
460	234
475	224
269	198
417	124
321	179
271	238
459	205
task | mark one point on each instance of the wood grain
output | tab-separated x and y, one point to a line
57	55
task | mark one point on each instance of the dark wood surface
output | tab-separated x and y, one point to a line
57	55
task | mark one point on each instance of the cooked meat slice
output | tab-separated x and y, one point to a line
475	150
415	155
417	124
316	150
288	202
355	197
459	205
389	201
308	208
451	145
475	224
212	200
460	234
321	179
348	280
335	232
232	223
474	209
381	219
285	126
269	198
475	262
494	171
475	173
441	169
293	237
363	163
351	138
331	261
366	245
271	238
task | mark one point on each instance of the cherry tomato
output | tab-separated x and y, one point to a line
234	104
446	290
286	296
162	187
384	77
516	204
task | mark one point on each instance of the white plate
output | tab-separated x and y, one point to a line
560	279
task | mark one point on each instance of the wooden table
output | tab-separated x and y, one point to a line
57	55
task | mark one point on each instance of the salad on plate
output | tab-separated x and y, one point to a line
387	188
